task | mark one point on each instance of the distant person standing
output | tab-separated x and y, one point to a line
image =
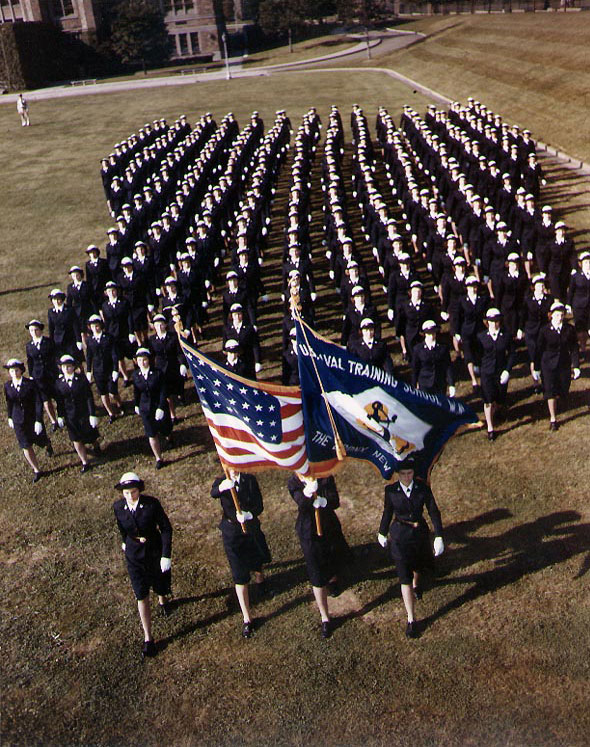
22	108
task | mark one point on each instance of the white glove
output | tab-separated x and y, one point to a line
390	314
89	376
123	546
444	316
183	371
159	414
79	345
320	502
382	540
577	373
265	298
452	391
226	484
504	376
136	410
61	422
132	338
314	295
375	252
10	423
486	279
429	266
243	516
93	421
208	283
310	488
439	546
458	338
115	376
519	334
258	367
331	274
150	307
38	428
568	309
536	375
165	564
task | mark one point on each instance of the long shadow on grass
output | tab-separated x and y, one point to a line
516	553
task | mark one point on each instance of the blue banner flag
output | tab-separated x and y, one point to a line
354	409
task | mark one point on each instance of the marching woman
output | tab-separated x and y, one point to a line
535	314
169	359
472	310
149	385
64	327
42	367
453	290
116	314
408	540
75	408
497	359
146	536
24	408
578	300
323	554
562	262
512	286
412	315
102	361
135	291
557	353
247	551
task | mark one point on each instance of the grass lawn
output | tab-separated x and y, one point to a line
504	657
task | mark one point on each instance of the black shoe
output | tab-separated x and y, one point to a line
262	588
86	467
49	450
538	389
491	436
326	629
160	463
37	476
54	427
553	425
148	649
333	589
247	629
111	419
412	630
170	442
418	592
165	609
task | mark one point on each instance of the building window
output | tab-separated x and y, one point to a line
183	45
62	8
195	49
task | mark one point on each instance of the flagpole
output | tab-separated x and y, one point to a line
234	495
340	449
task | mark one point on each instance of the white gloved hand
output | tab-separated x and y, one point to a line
452	391
504	376
320	502
577	373
486	279
10	423
265	298
159	414
183	371
207	284
382	540
226	484
429	266
519	334
89	376
136	408
123	546
165	564
458	338
61	422
310	488
568	309
151	307
243	516
536	375
444	315
38	428
390	314
93	420
331	273
79	345
258	367
439	546
314	295
131	338
115	376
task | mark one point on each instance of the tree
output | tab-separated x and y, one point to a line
283	16
139	33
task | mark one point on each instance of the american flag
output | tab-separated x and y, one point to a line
255	425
